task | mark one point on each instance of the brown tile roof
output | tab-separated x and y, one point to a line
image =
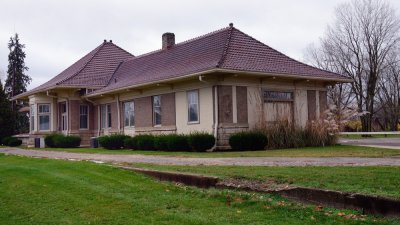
228	48
93	70
109	67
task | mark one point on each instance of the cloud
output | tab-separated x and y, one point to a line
57	33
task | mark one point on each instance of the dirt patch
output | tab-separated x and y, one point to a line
251	185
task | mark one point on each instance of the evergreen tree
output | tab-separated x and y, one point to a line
17	80
7	117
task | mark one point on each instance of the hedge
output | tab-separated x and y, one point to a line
201	141
171	142
248	141
145	142
62	141
114	141
11	141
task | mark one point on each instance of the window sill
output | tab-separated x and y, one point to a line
193	123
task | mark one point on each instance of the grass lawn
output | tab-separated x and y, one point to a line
358	136
377	180
44	191
330	151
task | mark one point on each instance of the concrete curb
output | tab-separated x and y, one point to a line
365	203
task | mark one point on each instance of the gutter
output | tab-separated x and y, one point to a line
214	70
53	96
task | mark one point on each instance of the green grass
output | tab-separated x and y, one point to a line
44	191
358	136
376	180
329	151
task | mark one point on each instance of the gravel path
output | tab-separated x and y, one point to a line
240	161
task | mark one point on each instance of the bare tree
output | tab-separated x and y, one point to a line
339	94
359	43
389	93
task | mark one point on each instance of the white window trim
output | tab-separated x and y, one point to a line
129	121
106	119
32	117
43	114
154	113
198	107
87	122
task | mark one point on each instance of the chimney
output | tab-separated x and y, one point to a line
168	40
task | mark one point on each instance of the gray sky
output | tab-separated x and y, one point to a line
57	33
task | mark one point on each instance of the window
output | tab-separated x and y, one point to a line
83	116
193	106
44	116
129	114
270	96
32	115
105	116
156	110
63	110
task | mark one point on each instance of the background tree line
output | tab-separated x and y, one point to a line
363	44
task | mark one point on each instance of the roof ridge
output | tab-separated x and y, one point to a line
226	48
121	48
83	67
180	43
298	61
113	75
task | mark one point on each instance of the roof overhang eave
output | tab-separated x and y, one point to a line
28	93
214	70
292	76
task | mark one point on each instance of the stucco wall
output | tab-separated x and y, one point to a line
206	120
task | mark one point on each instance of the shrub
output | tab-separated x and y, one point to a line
130	143
177	142
114	141
49	139
11	141
201	141
5	140
161	142
145	142
57	140
62	141
248	140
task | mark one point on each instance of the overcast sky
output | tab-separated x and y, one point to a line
57	33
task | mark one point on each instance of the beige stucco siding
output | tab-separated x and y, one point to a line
206	112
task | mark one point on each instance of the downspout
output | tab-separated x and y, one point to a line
87	99
119	114
68	126
216	117
98	121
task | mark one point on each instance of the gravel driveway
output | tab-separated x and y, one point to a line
239	161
